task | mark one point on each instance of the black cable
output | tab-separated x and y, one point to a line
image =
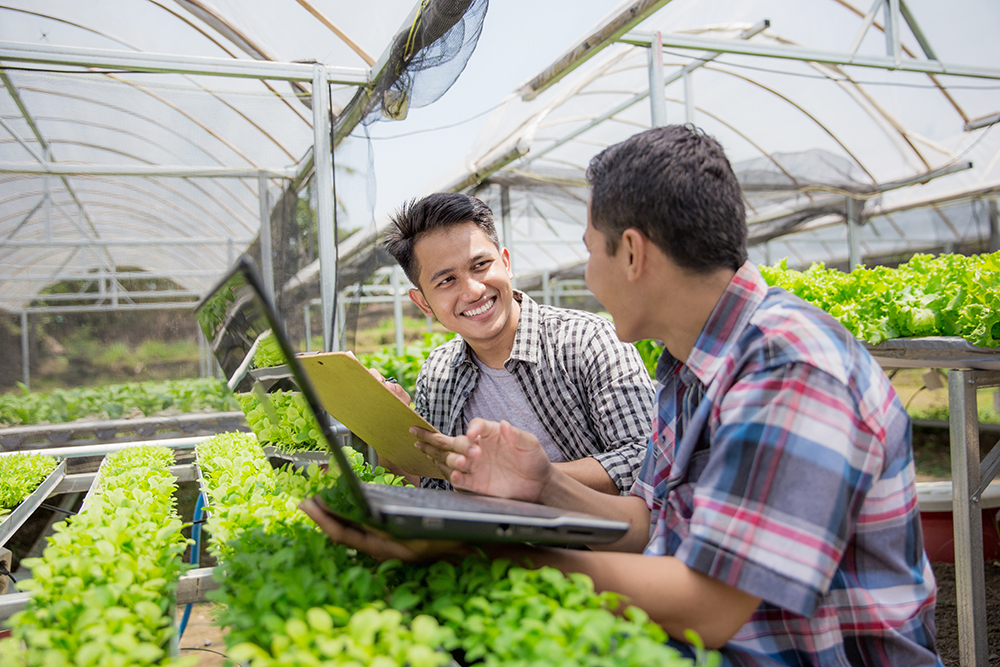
57	509
4	572
441	127
206	650
907	406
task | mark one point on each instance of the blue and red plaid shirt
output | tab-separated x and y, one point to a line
781	464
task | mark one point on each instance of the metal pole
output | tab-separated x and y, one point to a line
893	46
546	293
341	324
323	157
994	227
25	360
397	309
46	185
967	518
508	232
657	100
853	233
307	324
266	255
202	366
688	97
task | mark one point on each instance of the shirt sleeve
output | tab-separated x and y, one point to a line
777	502
620	398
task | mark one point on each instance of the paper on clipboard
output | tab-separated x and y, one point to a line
359	401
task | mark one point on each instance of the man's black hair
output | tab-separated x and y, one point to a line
675	185
437	211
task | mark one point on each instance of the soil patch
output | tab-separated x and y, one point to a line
947	613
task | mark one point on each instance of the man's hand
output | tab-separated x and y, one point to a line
393	386
379	546
491	459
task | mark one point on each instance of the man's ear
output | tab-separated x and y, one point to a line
505	258
417	297
635	248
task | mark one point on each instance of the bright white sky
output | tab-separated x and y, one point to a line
519	39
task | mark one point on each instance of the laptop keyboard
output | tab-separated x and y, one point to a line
452	500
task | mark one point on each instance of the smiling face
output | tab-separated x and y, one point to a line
465	282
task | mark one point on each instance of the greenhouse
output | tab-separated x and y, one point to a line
198	202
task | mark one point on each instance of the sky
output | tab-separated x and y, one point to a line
519	39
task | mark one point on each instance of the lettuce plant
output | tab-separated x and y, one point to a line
113	401
101	593
290	596
946	295
20	474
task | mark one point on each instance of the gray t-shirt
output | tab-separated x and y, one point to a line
497	396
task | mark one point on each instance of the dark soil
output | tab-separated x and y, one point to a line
947	615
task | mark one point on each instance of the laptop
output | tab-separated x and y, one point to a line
238	319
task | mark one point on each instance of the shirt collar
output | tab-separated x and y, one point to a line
527	341
731	315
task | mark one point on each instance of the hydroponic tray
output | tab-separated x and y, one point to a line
10	523
935	352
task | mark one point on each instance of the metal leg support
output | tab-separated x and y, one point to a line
970	585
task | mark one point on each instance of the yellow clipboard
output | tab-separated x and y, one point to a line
371	411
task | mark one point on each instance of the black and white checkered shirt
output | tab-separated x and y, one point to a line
589	390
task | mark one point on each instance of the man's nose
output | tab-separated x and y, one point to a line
472	289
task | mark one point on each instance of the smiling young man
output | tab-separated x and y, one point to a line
560	374
775	513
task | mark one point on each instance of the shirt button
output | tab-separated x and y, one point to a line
465	393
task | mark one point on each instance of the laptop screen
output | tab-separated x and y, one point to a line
249	342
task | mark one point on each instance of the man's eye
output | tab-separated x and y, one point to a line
446	281
482	265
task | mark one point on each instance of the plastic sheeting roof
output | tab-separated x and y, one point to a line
803	128
55	227
817	106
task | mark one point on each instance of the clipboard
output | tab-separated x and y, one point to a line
372	412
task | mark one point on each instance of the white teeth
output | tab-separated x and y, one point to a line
480	311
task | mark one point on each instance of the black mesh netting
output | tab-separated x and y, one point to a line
426	57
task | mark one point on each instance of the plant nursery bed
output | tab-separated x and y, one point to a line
10	523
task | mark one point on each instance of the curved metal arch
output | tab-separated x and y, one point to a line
221	223
108	128
635	51
907	51
205	127
219	203
804	113
181	138
193	82
714	67
179	213
211	38
142	211
222	185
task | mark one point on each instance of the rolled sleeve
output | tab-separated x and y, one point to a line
620	400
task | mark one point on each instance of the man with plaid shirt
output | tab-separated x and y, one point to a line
560	374
775	514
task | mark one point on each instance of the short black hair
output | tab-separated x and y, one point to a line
437	211
675	185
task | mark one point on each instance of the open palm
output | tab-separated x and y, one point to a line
500	460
